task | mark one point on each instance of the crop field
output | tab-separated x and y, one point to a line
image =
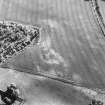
72	47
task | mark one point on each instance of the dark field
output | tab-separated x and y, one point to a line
71	46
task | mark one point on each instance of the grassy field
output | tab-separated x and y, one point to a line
70	35
41	91
102	5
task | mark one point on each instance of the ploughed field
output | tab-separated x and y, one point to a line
71	41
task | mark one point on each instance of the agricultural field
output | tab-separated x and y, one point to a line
71	46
